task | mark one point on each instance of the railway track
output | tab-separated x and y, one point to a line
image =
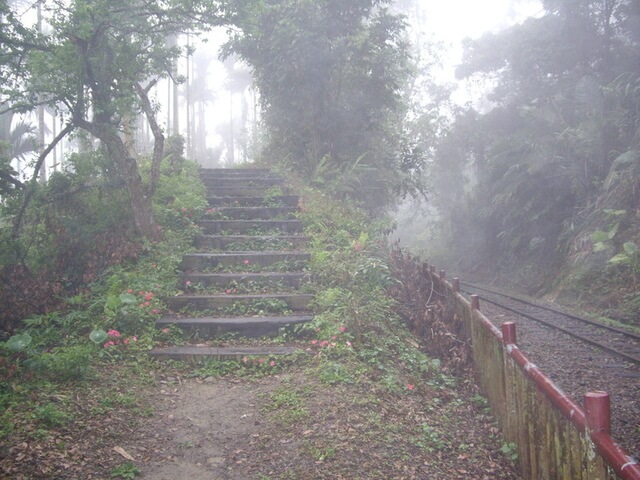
619	342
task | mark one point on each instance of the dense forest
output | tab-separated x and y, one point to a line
540	186
536	184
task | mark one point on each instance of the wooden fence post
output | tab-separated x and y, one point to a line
475	302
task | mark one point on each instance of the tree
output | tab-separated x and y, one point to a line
100	62
563	112
330	75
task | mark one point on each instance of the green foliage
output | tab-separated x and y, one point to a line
127	470
333	110
179	198
51	416
520	185
63	363
18	342
356	331
510	450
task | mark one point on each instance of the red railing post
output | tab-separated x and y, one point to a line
597	407
475	302
508	333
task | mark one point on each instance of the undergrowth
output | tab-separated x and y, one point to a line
75	367
59	366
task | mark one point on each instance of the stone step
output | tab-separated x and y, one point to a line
242	182
247	226
207	280
198	262
253	213
252	327
236	172
242	191
239	242
296	302
252	201
197	352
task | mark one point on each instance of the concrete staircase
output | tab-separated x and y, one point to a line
246	276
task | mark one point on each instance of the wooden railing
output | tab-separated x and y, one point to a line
555	438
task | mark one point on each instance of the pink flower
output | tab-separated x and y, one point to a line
357	246
342	328
109	344
246	261
148	296
272	364
113	333
334	337
126	341
155	311
313	342
324	343
134	339
145	304
129	291
410	386
348	344
261	361
188	283
165	330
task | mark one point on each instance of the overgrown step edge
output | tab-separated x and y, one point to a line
296	302
221	242
195	352
221	280
250	327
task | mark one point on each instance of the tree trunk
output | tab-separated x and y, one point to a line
141	206
140	201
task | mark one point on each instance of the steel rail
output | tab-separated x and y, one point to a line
621	331
626	356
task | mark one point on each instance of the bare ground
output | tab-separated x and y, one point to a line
292	425
288	426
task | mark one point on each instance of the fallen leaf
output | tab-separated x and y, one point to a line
123	452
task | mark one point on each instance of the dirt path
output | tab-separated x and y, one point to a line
290	427
201	426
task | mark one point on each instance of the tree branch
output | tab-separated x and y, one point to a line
158	144
17	224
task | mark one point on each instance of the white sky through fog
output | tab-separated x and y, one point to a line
451	21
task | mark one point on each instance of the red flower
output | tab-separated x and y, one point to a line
410	386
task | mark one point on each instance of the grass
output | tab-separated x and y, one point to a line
361	401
